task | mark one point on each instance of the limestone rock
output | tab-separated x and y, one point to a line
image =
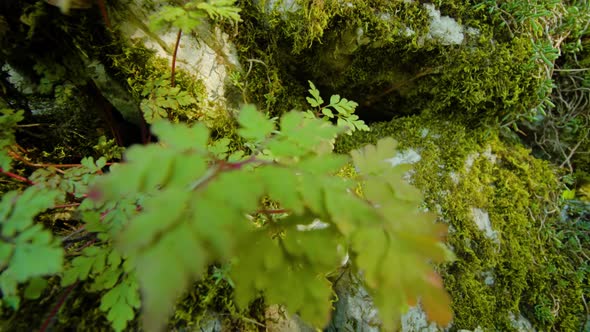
278	320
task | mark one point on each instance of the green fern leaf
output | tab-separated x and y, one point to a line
92	260
39	256
181	136
396	252
317	100
27	251
371	159
193	203
289	272
35	288
19	209
254	125
276	180
162	279
343	106
217	9
220	148
307	135
107	278
8	122
120	303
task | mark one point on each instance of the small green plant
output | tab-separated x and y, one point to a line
28	251
340	109
192	14
8	122
162	100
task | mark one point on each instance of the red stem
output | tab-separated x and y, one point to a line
146	136
172	74
237	165
63	206
279	211
56	308
28	163
17	177
103	11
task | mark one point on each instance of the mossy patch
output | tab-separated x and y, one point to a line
527	269
379	54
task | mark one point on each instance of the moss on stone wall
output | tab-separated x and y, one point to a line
383	55
522	265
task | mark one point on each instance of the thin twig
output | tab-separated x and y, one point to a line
103	12
56	308
16	177
568	157
572	70
77	231
173	71
64	206
279	211
17	156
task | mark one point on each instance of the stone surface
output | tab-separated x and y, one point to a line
206	53
354	310
482	220
443	28
415	321
278	320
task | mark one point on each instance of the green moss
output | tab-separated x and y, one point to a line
534	273
366	53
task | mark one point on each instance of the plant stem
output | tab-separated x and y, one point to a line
278	211
56	308
28	163
16	177
103	12
63	206
173	71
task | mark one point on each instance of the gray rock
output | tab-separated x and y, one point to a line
279	320
354	310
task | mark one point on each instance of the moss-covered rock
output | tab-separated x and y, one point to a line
393	57
502	208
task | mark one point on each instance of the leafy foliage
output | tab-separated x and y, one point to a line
344	110
8	122
73	181
188	207
192	14
408	241
27	251
142	218
162	99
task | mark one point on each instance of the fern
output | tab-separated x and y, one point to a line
343	107
28	252
163	100
192	14
154	223
195	210
218	9
8	122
